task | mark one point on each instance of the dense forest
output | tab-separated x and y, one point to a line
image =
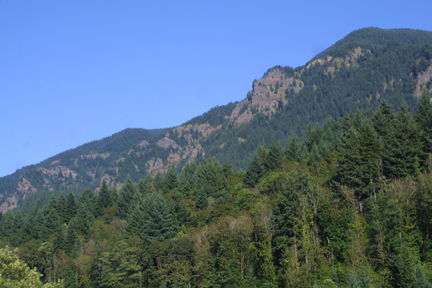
347	205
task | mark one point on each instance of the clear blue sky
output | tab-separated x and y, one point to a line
76	71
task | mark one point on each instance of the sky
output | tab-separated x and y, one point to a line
76	71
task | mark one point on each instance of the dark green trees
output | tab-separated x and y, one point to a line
159	222
401	157
128	198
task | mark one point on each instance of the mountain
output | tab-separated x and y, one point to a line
357	72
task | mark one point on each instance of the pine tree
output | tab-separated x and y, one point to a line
227	169
254	172
82	221
71	237
201	199
350	171
158	182
383	119
51	224
188	177
402	150
423	118
210	177
171	180
62	208
370	151
128	198
72	207
145	186
285	211
273	156
135	222
159	222
8	224
103	198
294	150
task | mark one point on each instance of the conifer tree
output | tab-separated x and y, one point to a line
158	182
159	222
210	177
136	222
285	211
273	156
402	150
201	199
104	198
188	177
383	120
171	180
370	151
145	186
227	169
294	150
51	224
72	206
8	224
254	172
350	171
62	208
423	117
128	198
82	222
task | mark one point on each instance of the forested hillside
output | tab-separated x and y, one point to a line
347	206
358	72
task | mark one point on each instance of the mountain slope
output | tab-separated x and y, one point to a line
368	65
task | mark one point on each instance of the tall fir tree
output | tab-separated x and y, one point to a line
254	172
103	198
72	206
294	149
159	224
128	199
402	150
188	178
274	155
171	178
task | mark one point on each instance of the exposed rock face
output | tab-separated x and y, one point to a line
422	79
166	143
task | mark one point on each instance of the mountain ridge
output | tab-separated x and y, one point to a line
357	72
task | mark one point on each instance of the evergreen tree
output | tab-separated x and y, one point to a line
188	177
159	222
383	120
285	211
171	180
254	172
104	197
128	198
51	225
82	221
210	177
402	151
227	169
8	224
273	156
62	208
135	222
201	199
145	186
370	151
72	206
294	149
158	182
350	171
423	117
